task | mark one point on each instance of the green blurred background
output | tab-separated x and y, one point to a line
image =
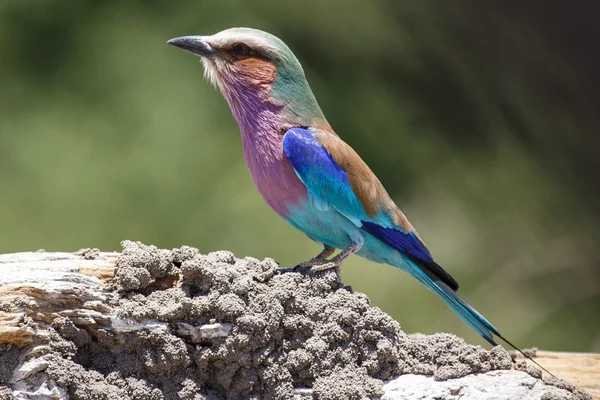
481	119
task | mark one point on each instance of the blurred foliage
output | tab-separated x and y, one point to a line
481	119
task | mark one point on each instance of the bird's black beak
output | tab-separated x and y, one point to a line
194	44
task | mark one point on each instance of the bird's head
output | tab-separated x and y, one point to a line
254	69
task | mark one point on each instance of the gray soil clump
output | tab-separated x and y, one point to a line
211	326
88	253
140	266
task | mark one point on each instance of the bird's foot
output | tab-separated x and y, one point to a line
298	268
321	263
310	271
310	267
319	258
324	265
313	262
316	264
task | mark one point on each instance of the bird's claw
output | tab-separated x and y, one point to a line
307	271
324	266
311	263
309	268
303	270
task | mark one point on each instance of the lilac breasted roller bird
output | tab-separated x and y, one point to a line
306	173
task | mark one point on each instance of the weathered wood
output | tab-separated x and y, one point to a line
39	288
580	369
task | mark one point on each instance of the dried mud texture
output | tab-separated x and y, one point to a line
140	266
230	328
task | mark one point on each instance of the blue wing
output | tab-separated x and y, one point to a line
328	186
326	182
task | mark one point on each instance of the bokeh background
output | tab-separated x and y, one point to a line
481	118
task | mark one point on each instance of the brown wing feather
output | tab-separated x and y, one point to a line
363	181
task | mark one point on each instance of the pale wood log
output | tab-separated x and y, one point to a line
580	369
36	287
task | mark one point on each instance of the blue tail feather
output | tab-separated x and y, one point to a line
467	313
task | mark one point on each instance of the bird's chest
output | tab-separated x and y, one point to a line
273	175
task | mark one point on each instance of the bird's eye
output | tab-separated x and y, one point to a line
241	50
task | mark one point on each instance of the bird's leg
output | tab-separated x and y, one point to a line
320	262
336	262
305	267
319	259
